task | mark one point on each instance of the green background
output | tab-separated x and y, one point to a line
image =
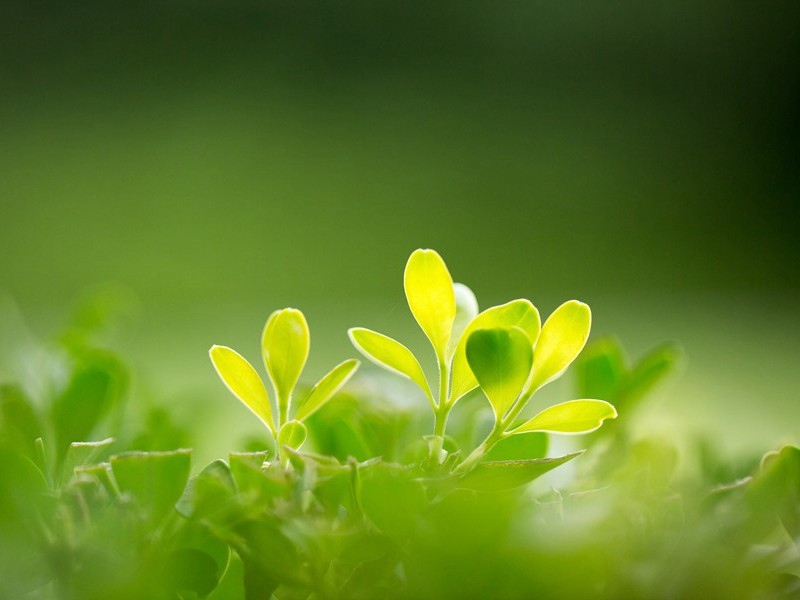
220	160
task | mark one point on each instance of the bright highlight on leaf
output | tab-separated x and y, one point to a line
326	388
576	416
466	311
517	313
431	298
292	434
563	336
243	381
285	343
389	354
501	360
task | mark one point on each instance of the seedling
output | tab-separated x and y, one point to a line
503	349
285	345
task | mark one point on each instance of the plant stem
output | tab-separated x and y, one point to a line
477	455
441	411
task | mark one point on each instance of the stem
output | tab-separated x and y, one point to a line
442	410
477	455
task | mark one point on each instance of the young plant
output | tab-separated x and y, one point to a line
499	349
285	344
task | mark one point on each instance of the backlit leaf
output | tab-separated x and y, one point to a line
502	475
285	344
389	354
429	290
326	388
292	434
242	380
575	416
466	311
501	361
517	313
563	336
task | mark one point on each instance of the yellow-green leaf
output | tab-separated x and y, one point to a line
326	388
243	381
292	434
501	360
285	344
389	354
517	313
563	336
429	290
575	416
466	311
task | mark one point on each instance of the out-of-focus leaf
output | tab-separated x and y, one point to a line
652	369
601	371
191	570
519	447
285	344
575	416
292	434
775	490
391	498
326	388
563	336
211	489
517	313
466	311
242	380
155	479
431	298
18	420
84	453
96	384
498	476
252	477
389	354
269	557
501	361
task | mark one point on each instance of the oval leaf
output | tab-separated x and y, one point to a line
502	475
563	337
285	343
242	380
466	311
501	360
429	290
326	388
292	434
389	354
575	416
517	313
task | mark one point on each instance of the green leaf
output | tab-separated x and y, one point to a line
519	447
208	491
501	361
285	344
466	311
326	388
389	354
84	453
499	476
242	380
602	371
563	336
292	434
575	416
652	369
517	313
775	490
155	479
431	298
18	419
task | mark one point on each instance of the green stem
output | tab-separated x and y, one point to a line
477	455
441	411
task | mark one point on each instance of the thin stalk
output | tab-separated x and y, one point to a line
441	411
477	455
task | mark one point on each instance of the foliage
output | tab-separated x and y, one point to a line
360	498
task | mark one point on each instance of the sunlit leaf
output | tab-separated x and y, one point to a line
563	336
285	343
498	476
326	388
429	290
243	381
501	361
466	311
575	416
517	313
292	434
389	354
520	447
156	480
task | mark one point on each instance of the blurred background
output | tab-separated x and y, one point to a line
214	161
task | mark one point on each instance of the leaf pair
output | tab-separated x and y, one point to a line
510	365
285	345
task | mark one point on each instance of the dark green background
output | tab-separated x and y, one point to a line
222	159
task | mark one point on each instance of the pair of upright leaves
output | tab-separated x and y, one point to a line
504	349
285	345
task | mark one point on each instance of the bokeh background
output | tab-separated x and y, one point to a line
217	160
